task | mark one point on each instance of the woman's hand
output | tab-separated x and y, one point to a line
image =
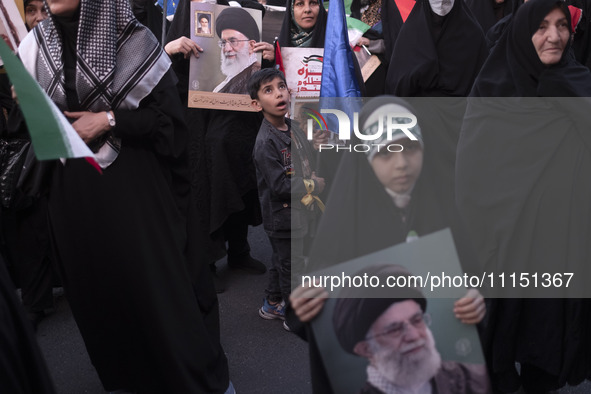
307	302
363	41
267	49
13	92
183	45
89	125
471	308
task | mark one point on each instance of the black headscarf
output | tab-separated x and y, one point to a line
149	14
391	26
488	12
496	31
316	35
582	39
436	56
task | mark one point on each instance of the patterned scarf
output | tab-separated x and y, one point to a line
299	36
373	13
110	73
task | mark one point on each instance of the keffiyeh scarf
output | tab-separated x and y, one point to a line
110	73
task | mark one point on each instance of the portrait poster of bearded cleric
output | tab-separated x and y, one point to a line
383	338
218	78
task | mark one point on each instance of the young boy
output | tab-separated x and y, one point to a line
287	187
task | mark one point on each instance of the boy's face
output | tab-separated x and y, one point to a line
273	98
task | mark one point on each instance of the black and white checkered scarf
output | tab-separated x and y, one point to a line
118	62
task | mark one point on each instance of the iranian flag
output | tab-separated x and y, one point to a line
51	134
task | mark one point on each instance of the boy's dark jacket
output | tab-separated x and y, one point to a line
280	178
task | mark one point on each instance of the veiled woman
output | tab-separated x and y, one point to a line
438	52
120	236
524	161
223	177
304	24
379	199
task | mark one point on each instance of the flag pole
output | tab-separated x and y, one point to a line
164	14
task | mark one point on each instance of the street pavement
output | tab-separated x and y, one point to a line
263	357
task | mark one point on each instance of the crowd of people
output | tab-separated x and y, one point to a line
135	247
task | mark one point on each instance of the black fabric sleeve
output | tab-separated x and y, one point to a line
159	118
158	124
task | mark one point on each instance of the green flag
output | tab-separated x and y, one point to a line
52	135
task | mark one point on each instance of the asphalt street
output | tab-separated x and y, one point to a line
263	357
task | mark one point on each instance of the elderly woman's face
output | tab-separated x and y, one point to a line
305	13
551	37
63	7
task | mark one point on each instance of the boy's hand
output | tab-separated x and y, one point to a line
319	137
320	183
471	308
183	45
267	49
307	302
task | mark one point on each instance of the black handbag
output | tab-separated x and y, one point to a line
12	157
